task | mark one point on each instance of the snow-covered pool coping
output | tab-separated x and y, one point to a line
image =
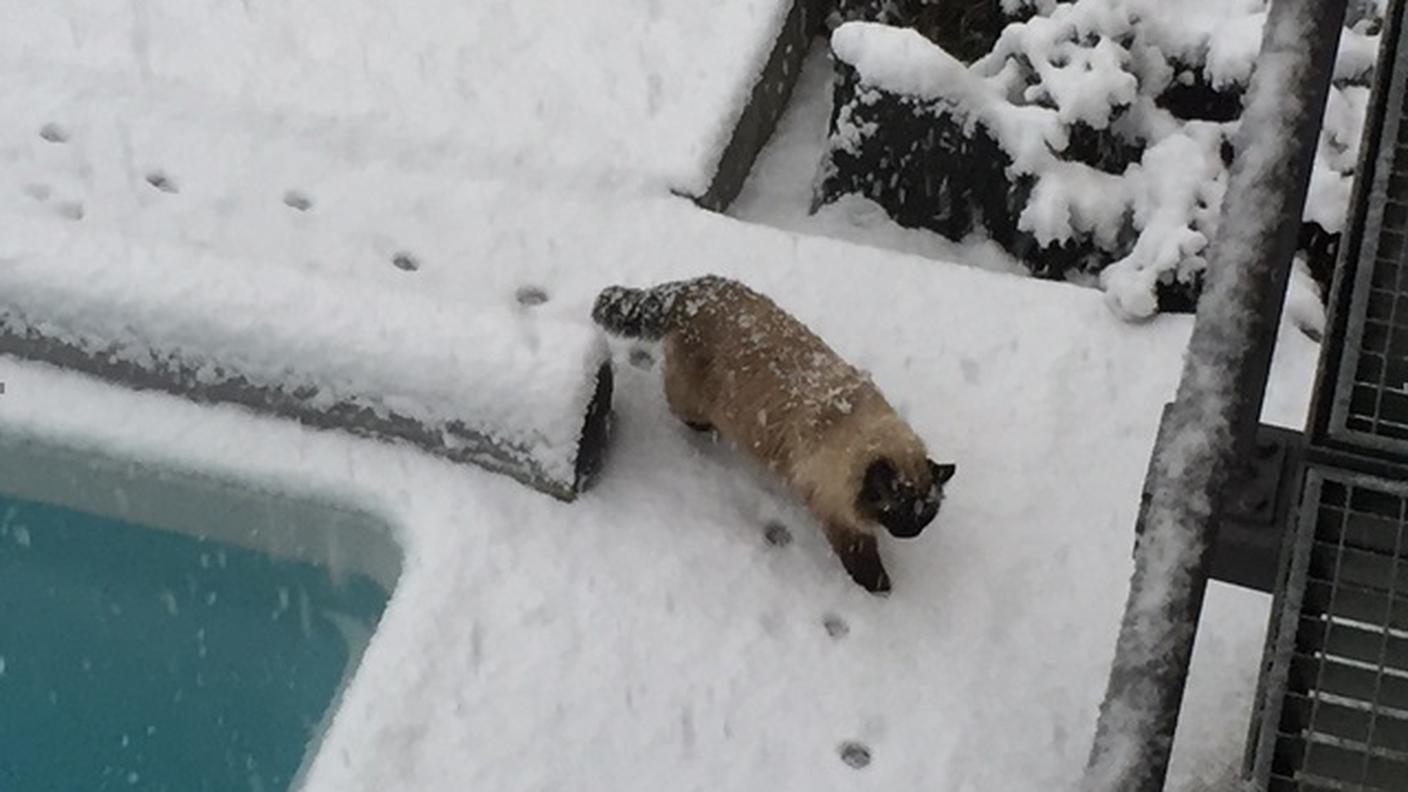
278	523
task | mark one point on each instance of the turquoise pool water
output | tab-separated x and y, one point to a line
134	658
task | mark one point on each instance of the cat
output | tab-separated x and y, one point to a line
738	364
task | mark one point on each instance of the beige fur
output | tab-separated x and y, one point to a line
736	361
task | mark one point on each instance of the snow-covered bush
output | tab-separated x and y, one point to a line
1092	141
965	29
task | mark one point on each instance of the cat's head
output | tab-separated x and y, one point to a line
904	504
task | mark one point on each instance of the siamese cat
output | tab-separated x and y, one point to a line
738	364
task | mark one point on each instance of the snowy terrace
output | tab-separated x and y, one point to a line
185	166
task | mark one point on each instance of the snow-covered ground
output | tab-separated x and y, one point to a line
646	636
647	90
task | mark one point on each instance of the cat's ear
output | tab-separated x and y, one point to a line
942	473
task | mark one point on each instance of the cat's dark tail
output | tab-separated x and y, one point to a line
648	313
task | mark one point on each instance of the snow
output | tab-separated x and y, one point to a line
1169	185
1082	62
641	90
778	191
1075	199
1336	157
902	61
519	378
1199	446
1304	305
647	636
1083	83
1177	177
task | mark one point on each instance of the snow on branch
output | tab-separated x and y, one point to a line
1113	123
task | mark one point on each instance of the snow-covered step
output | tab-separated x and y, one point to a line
499	386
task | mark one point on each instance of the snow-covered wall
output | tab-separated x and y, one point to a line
506	389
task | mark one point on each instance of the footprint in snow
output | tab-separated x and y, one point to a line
294	199
641	358
529	296
405	262
854	753
777	534
53	133
162	182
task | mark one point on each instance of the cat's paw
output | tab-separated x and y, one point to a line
862	561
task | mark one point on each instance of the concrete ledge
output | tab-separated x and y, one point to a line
766	103
455	439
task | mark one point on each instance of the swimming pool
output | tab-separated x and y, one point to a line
166	631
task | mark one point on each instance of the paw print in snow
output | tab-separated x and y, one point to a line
855	754
777	534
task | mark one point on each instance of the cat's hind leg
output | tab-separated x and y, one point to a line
683	386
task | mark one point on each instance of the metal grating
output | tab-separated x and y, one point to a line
1343	720
1332	701
1370	403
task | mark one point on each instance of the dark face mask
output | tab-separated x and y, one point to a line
903	507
